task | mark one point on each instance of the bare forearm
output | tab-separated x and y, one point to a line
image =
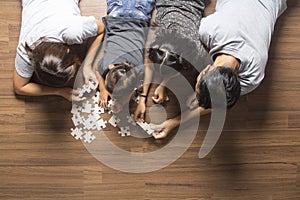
146	84
33	89
91	54
189	115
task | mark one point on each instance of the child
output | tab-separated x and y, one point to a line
175	45
121	67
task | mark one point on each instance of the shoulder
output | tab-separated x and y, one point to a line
23	66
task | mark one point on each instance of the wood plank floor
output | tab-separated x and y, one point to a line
257	156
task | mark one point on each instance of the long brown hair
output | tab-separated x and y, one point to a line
54	63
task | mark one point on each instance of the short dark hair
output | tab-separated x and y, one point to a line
124	77
213	80
180	56
54	63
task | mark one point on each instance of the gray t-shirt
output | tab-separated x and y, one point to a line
54	20
124	41
243	29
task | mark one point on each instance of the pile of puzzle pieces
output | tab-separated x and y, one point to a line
86	117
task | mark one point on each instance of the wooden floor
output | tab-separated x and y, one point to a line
257	156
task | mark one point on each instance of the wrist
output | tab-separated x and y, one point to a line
142	100
58	92
143	96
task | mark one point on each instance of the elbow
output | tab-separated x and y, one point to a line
17	90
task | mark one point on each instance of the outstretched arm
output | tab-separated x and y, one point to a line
88	69
141	108
103	91
23	86
162	130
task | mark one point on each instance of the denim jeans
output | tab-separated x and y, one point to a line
139	9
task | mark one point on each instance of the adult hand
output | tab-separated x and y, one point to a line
162	130
70	94
89	74
160	95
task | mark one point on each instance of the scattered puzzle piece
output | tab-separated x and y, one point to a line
77	133
97	109
100	124
130	119
76	109
87	88
146	127
96	97
86	107
89	137
77	119
114	120
124	131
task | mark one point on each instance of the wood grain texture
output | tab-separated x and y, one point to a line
256	157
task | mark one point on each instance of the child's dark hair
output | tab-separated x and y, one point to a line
213	80
54	63
121	80
172	49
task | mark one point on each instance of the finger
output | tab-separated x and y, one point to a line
76	91
160	135
137	117
141	117
156	99
102	103
93	78
78	99
86	80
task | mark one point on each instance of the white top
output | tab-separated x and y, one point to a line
243	29
55	20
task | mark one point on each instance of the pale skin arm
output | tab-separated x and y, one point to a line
162	130
88	69
23	86
103	91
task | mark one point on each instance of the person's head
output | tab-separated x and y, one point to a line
169	48
55	64
120	81
215	80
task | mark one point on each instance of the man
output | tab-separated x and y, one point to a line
238	37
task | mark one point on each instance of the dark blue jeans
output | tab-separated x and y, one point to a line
139	9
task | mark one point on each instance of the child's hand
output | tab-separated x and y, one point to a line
160	95
140	112
103	98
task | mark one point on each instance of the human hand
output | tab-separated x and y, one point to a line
103	98
191	101
162	130
89	74
160	95
70	94
140	112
